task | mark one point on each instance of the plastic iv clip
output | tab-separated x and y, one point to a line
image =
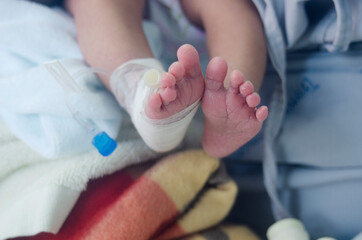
100	139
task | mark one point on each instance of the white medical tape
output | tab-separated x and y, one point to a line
128	84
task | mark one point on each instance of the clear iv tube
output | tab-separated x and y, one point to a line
100	139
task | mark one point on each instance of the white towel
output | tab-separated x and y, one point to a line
32	103
36	194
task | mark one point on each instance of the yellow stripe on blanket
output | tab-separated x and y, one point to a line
200	188
235	232
182	175
212	207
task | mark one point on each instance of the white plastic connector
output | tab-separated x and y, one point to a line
153	78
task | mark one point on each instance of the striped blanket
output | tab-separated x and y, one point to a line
185	196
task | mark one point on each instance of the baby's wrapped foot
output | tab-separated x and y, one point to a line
162	113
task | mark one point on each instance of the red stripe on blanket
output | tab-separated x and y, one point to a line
140	213
114	208
91	207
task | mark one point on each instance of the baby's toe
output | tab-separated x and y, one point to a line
177	70
154	102
168	95
253	100
261	113
246	88
189	57
236	79
168	80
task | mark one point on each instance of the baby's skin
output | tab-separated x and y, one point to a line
231	116
110	33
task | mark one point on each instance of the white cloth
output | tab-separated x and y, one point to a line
36	194
31	101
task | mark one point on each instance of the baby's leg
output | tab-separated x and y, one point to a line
110	32
110	35
233	32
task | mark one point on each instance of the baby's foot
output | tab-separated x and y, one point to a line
231	118
181	86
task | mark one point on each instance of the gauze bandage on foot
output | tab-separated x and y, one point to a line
132	83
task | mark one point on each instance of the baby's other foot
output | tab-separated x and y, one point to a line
181	86
231	117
